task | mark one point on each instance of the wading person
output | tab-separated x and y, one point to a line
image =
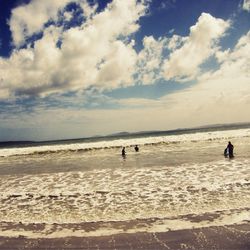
123	152
230	149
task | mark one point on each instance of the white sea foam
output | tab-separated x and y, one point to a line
125	194
199	136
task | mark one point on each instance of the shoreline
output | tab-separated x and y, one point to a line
214	237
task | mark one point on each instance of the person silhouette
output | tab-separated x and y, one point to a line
226	152
123	152
230	149
136	148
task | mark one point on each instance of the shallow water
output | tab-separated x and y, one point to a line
164	180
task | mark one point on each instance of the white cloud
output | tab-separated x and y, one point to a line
175	42
30	18
94	54
122	58
246	5
87	9
68	15
200	45
30	71
222	96
101	54
150	59
236	63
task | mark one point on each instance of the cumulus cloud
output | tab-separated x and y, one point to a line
100	53
184	62
122	58
92	54
30	18
175	42
29	71
236	63
150	59
220	96
246	5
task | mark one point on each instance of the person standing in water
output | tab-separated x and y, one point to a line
123	152
136	148
230	149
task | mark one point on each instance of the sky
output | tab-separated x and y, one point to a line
80	68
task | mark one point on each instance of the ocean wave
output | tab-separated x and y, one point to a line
118	143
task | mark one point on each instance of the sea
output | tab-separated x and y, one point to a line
179	179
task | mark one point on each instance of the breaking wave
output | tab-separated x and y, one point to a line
117	143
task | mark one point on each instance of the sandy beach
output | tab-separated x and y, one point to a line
217	237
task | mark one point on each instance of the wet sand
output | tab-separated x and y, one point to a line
216	237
